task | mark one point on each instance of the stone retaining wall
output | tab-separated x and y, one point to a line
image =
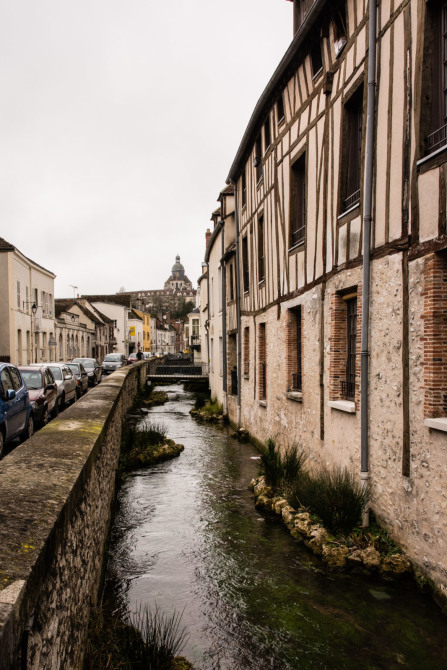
56	492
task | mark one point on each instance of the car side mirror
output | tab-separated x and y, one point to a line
50	387
10	394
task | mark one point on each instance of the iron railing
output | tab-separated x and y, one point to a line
352	200
437	139
297	236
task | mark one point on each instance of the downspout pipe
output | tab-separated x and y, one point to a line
367	222
207	322
224	319
238	306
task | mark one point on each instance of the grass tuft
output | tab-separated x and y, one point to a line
281	469
335	495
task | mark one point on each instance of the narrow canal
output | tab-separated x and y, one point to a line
188	538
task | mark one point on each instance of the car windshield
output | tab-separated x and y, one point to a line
33	380
73	367
57	374
112	357
87	363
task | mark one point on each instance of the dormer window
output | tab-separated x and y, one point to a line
280	109
340	31
316	58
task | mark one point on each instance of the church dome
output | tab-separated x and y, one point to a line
177	268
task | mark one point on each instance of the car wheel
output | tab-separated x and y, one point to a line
62	402
78	393
2	443
46	416
29	429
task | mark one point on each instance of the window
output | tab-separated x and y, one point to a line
437	43
352	153
220	356
244	188
316	58
261	250
245	265
435	336
16	379
339	29
258	158
262	362
348	388
246	351
35	300
27	305
5	382
344	369
280	109
298	202
18	294
231	280
267	134
294	349
219	287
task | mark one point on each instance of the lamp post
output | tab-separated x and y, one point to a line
33	314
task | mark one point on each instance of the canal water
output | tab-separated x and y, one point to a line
187	538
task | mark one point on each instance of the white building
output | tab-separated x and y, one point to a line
26	308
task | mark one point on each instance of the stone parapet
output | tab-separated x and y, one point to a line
56	493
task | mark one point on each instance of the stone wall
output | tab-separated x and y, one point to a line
56	492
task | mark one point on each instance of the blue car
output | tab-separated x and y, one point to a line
16	418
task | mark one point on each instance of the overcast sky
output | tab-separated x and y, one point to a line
119	121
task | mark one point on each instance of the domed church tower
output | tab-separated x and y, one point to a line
178	281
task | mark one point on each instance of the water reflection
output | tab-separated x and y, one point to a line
187	536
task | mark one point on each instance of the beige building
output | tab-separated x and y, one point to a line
26	308
341	347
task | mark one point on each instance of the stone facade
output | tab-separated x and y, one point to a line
56	492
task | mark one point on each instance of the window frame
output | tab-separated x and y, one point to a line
298	202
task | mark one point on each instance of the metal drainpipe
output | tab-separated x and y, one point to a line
207	322
367	219
238	307
224	321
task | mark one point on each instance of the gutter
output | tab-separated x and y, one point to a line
270	93
367	219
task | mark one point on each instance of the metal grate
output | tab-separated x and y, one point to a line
263	393
233	382
348	390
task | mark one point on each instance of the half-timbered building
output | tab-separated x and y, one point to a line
340	245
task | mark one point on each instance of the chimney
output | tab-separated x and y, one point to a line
207	236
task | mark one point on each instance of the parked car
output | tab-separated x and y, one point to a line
42	391
16	412
112	362
65	381
93	369
132	358
147	354
81	376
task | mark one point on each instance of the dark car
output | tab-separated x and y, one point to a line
93	369
16	413
81	376
132	358
42	390
112	362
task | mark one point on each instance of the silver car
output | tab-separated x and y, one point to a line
66	383
112	362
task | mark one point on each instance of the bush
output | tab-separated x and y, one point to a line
145	435
335	495
281	471
144	641
213	407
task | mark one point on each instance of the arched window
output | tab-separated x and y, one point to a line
61	348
